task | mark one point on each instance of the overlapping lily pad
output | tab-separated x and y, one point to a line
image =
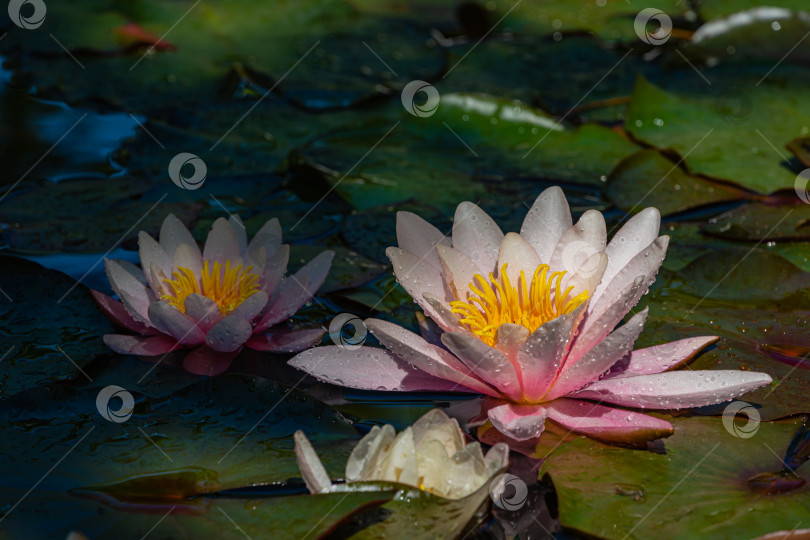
697	487
723	141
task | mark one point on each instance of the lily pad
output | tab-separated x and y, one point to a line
45	218
648	178
697	487
49	322
759	221
468	146
216	434
700	130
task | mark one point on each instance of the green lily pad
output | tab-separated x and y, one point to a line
349	269
611	21
758	221
222	433
45	218
716	143
36	325
44	514
755	318
467	147
758	32
648	178
698	487
203	43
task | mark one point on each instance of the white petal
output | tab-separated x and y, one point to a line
312	470
476	235
547	220
518	255
417	236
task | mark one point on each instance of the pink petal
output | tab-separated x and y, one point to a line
597	361
251	306
151	252
274	269
606	423
508	339
582	240
268	237
417	278
420	238
285	341
434	360
188	256
595	327
170	321
646	263
229	334
638	233
547	220
221	244
140	345
519	422
675	389
173	234
441	314
241	234
369	368
295	291
518	255
660	358
133	294
458	270
204	311
587	276
541	356
476	235
488	364
205	361
115	310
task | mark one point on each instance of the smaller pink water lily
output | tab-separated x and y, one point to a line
532	321
230	295
431	455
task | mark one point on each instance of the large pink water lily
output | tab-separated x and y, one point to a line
216	301
530	320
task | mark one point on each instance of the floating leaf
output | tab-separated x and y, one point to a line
697	487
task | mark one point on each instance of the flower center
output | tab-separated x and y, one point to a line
227	286
496	302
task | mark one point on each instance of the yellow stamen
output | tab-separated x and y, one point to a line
227	286
495	302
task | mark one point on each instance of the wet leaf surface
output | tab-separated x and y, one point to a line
701	477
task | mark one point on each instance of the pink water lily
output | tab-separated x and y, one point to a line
230	295
530	320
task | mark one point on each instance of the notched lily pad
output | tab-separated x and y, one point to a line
698	487
759	221
647	178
